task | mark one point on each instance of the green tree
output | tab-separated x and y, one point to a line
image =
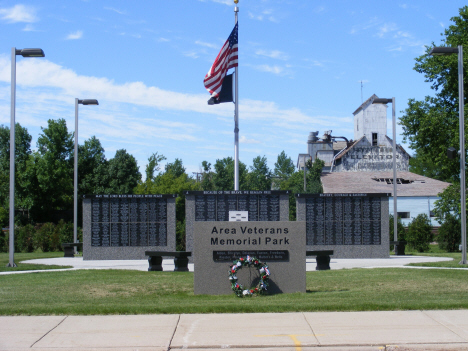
419	234
53	168
176	168
92	167
153	166
22	155
123	173
431	126
223	178
314	172
206	182
448	202
259	177
449	233
284	168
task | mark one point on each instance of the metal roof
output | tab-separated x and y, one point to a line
371	182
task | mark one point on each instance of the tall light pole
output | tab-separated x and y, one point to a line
75	178
24	53
438	51
395	213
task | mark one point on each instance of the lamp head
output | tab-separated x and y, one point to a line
443	50
88	102
30	52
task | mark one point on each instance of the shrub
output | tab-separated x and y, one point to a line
65	233
401	231
4	214
44	236
449	233
3	242
180	235
24	238
419	234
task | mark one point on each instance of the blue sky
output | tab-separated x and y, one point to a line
301	64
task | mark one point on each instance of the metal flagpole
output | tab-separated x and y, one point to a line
236	118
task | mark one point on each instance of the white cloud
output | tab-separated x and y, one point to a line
266	14
209	45
386	28
19	13
275	54
58	86
244	140
120	12
29	28
269	69
224	2
76	35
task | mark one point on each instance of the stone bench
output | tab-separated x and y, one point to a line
69	249
399	247
323	258
180	260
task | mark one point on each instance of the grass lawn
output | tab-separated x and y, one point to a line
5	259
86	292
436	252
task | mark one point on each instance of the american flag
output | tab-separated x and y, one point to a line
226	59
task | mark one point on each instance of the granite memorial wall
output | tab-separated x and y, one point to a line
214	206
353	225
125	226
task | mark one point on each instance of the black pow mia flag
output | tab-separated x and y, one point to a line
225	95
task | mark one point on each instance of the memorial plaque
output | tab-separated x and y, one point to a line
104	230
262	255
352	225
343	220
201	205
125	223
348	229
253	208
222	212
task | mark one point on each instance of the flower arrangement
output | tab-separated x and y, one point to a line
249	261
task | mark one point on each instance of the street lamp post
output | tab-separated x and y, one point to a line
75	178
438	51
24	53
395	213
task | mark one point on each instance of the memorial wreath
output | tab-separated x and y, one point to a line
248	261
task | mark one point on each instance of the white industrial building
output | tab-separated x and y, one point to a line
365	165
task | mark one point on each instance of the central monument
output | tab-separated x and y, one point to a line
279	244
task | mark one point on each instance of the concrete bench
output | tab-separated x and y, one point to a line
399	247
180	260
322	258
69	249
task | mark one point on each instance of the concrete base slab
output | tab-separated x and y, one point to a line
22	332
369	328
243	331
112	332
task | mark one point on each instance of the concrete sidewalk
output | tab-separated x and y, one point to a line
397	330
